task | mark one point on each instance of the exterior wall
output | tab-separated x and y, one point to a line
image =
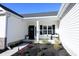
69	31
30	22
16	28
44	21
2	31
2	28
49	22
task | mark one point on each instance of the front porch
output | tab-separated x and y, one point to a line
45	28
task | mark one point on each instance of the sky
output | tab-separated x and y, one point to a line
28	8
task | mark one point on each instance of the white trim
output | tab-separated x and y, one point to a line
39	17
37	30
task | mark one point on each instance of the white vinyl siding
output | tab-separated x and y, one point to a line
2	26
2	31
69	31
16	28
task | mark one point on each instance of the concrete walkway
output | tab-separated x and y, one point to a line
12	51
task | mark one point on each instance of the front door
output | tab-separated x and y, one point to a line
31	32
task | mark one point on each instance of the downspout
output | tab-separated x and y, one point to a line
6	44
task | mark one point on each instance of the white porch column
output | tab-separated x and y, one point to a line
37	29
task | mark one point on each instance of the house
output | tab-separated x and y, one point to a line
14	27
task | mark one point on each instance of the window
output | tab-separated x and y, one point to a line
44	29
40	29
53	26
49	30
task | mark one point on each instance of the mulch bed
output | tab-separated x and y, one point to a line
41	50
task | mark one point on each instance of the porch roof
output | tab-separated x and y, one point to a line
52	13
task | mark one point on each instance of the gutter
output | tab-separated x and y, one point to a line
62	9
